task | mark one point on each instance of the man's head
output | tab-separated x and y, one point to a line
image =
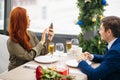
110	28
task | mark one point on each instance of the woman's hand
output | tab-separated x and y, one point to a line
50	33
43	38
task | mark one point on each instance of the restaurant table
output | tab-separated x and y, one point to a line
28	73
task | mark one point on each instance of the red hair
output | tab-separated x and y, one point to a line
18	23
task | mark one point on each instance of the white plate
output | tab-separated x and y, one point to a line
46	59
74	63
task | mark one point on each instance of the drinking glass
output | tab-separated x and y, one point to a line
68	45
75	46
59	48
51	48
75	42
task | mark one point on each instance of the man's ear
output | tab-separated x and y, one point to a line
109	32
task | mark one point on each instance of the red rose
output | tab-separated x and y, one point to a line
39	72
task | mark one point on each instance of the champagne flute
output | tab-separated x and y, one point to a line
51	48
68	45
60	50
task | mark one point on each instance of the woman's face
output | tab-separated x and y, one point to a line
28	21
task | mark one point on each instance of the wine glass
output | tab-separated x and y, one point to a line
75	46
59	49
51	48
75	42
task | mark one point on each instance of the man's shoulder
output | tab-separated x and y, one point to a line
116	46
118	40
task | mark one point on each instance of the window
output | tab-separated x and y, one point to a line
62	13
1	14
112	8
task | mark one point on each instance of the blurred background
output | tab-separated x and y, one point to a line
62	13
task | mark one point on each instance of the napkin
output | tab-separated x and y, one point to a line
30	66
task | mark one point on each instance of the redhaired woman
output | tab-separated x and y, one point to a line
23	45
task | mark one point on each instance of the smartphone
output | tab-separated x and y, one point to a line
51	25
50	28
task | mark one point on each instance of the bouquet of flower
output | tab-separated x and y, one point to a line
50	74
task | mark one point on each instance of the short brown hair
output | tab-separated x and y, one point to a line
113	23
